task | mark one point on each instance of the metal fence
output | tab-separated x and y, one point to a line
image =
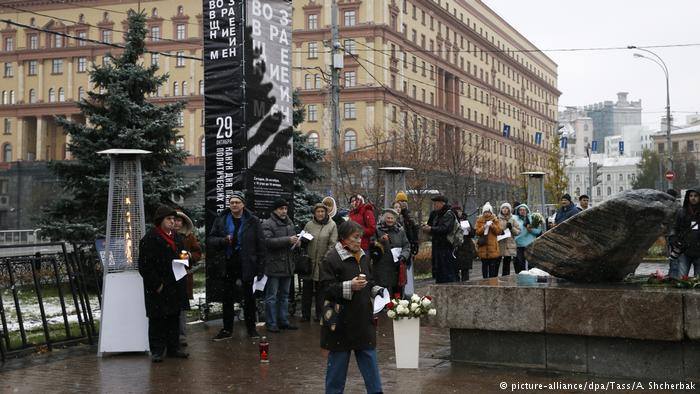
45	297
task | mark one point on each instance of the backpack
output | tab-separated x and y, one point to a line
455	237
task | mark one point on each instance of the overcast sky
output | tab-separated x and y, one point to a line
588	77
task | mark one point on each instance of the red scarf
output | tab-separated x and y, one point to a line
168	238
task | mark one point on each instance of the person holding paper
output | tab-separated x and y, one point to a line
487	229
164	295
184	226
348	291
236	254
466	252
390	267
506	244
280	238
325	235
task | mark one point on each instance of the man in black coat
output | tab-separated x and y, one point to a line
440	223
237	235
280	237
164	295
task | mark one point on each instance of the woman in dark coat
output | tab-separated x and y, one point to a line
347	282
164	295
467	251
390	235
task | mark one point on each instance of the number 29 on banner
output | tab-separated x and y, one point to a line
225	127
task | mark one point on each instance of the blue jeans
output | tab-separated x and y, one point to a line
277	300
337	370
684	263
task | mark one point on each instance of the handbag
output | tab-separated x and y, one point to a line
403	276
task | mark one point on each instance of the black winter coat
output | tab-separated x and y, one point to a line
354	330
441	223
385	270
411	229
279	259
467	251
156	268
252	252
683	230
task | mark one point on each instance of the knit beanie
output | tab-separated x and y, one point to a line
401	197
487	207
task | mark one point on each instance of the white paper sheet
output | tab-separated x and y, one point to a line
506	234
464	224
381	300
306	235
396	253
180	268
259	285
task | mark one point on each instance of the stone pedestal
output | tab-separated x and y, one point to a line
612	330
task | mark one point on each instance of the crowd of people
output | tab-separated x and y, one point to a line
343	257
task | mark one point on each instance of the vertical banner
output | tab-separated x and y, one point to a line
224	130
270	171
248	110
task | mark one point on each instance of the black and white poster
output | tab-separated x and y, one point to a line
248	108
270	166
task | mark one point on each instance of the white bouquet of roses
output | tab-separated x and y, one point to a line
416	307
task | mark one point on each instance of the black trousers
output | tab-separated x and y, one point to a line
233	285
506	265
520	263
164	332
489	267
311	292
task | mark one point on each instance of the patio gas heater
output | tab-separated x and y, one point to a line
535	191
123	325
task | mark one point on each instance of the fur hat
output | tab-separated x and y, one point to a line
487	208
440	197
162	212
401	196
332	207
321	206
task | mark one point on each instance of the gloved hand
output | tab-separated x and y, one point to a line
259	277
489	223
509	226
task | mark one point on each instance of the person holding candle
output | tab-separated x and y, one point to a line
163	294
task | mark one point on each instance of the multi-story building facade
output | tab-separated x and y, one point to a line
617	175
609	118
452	67
45	74
578	129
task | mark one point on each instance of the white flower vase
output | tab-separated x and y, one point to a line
407	342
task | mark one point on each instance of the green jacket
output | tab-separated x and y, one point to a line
325	236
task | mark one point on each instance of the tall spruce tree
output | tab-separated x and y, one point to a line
306	170
119	115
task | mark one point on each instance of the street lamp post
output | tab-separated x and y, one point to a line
663	66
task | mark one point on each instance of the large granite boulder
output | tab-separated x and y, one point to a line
607	242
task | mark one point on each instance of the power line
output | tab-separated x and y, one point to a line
93	41
157	38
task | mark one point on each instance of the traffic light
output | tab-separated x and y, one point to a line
596	174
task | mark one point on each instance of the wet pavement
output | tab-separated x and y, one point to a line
297	366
